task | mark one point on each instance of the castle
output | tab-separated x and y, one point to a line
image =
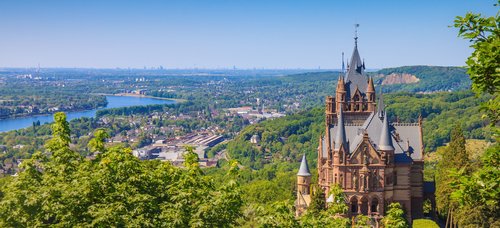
374	161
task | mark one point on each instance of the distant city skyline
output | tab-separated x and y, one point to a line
225	34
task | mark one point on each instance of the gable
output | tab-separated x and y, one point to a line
365	153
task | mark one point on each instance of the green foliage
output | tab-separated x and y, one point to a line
114	189
453	157
395	217
97	144
478	193
338	206
279	215
362	221
483	64
318	201
283	139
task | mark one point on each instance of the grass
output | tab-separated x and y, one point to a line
424	223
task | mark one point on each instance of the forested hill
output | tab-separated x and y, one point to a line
427	79
430	78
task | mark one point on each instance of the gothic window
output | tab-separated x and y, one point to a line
395	176
374	206
354	205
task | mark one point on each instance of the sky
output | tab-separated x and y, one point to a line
307	34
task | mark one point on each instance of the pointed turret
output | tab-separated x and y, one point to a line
303	187
380	106
340	136
341	84
385	136
304	168
371	87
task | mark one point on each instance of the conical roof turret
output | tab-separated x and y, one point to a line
341	84
340	136
385	136
304	168
371	87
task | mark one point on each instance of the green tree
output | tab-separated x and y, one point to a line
338	206
453	157
477	194
334	214
395	217
362	221
484	62
97	144
318	202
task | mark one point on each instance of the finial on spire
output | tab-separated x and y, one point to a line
356	34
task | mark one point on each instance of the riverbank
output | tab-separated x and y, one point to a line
113	102
28	115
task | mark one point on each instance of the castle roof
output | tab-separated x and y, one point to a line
355	76
385	142
405	137
340	137
304	168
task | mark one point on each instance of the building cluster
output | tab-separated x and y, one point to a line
173	149
254	115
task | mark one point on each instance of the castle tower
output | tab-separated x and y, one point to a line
303	187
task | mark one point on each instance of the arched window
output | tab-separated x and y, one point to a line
374	206
354	205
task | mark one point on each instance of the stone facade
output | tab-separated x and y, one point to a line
375	161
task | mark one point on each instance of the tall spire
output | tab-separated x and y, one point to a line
340	137
304	168
385	136
380	105
356	64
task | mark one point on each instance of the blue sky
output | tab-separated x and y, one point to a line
226	33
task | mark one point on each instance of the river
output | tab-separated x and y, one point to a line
113	102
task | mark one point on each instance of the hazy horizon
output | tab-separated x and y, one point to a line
225	34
